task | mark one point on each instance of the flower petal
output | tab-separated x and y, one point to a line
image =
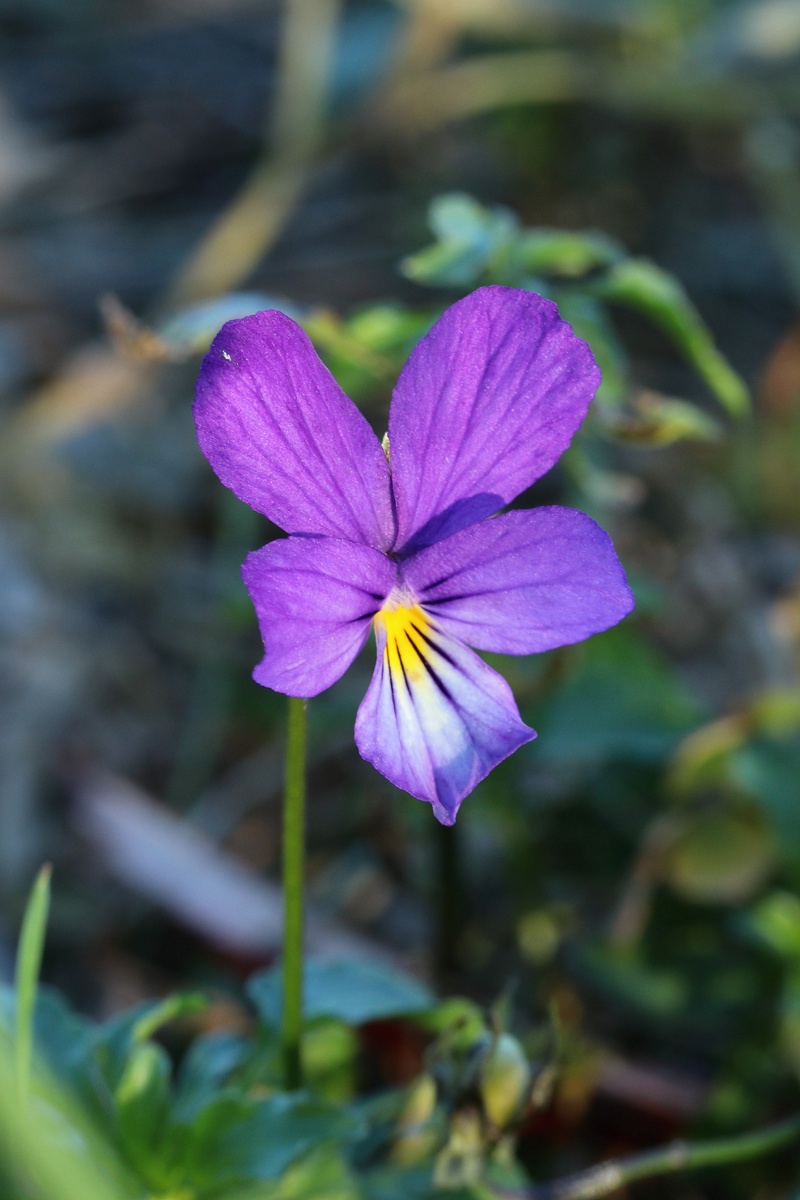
315	599
485	405
522	582
436	719
280	432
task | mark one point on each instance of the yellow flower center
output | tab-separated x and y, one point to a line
407	630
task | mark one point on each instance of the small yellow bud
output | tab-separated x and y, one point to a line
505	1081
415	1139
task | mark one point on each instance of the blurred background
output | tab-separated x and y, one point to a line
167	164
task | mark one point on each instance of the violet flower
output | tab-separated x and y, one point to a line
402	541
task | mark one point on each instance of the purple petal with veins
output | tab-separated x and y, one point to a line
280	433
523	582
315	599
486	404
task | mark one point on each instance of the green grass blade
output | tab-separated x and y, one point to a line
29	961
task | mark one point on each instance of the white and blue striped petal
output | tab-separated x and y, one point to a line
436	719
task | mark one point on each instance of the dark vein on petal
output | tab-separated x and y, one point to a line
434	646
433	674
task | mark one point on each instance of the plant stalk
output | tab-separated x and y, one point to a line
677	1156
293	882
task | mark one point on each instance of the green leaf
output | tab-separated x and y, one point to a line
116	1038
320	1175
329	1052
563	252
192	328
263	1139
414	1183
776	920
142	1097
655	420
29	962
471	241
638	283
208	1063
621	701
590	321
662	993
721	856
65	1042
769	770
459	217
51	1147
348	989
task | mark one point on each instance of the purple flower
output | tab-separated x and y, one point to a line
402	542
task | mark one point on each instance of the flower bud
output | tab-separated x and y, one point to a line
505	1081
415	1138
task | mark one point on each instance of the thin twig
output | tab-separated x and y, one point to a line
677	1156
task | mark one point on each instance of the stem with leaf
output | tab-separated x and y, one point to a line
293	880
28	966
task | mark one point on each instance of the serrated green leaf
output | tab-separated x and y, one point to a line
350	990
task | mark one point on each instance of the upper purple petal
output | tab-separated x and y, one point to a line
315	598
485	405
280	432
522	582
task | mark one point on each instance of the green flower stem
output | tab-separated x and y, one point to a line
677	1156
293	880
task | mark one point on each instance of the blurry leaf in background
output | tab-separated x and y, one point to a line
655	420
790	1017
348	989
322	1174
204	1070
702	759
633	982
59	1155
582	272
259	1140
190	330
769	769
142	1101
721	856
118	1039
589	319
620	699
472	240
564	253
776	919
639	284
